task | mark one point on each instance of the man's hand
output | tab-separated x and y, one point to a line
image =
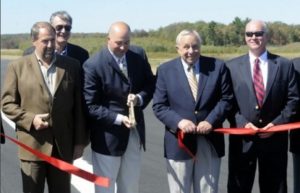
127	122
78	151
187	126
204	127
132	98
268	134
251	126
40	121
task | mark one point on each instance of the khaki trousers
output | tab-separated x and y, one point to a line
201	175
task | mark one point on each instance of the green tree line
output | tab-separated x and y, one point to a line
163	39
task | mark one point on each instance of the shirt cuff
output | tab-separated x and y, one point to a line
118	120
140	102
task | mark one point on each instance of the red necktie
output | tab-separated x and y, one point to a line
258	83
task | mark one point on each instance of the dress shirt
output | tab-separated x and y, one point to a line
119	118
64	52
195	66
49	74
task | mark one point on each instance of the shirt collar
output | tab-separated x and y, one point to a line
41	62
195	66
64	52
117	58
263	57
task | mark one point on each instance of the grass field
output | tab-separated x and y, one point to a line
156	58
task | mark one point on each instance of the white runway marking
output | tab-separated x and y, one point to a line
80	184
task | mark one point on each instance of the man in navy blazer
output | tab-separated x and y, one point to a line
114	78
194	115
278	106
295	136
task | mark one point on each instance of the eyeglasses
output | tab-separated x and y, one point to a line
60	27
257	34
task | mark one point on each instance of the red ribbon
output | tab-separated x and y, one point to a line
240	131
65	166
180	136
249	131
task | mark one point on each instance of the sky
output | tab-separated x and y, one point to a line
17	16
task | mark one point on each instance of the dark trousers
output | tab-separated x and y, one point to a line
35	173
272	168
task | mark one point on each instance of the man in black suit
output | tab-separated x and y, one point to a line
295	136
193	95
62	23
114	78
266	94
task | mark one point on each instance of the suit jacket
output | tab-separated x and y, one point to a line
74	51
25	94
295	134
173	101
280	102
105	91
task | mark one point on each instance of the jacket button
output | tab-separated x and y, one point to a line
260	120
196	112
256	107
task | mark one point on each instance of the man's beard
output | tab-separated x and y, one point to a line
49	54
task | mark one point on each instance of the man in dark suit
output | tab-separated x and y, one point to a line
42	94
295	136
194	112
62	22
266	94
114	78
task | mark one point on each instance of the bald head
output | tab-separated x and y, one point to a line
119	38
118	27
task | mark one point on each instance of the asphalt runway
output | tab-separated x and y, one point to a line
153	174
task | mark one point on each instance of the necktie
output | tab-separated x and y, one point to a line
192	81
258	83
123	66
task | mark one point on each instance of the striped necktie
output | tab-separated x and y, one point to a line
258	82
192	81
123	66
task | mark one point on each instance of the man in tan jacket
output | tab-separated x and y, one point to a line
42	95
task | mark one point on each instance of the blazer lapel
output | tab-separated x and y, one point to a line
203	75
60	72
245	69
38	73
182	76
272	71
112	62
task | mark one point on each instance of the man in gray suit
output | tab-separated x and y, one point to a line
266	94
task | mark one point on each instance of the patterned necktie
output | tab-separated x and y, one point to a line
258	83
192	81
123	66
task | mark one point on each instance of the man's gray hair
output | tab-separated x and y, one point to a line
188	32
62	15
